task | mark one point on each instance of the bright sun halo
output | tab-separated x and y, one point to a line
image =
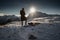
32	9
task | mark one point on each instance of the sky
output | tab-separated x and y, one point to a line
14	6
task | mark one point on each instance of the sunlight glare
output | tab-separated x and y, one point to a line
32	10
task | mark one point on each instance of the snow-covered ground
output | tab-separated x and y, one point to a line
14	31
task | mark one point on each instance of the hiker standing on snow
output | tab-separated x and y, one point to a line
23	18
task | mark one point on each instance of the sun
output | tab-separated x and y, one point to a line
32	10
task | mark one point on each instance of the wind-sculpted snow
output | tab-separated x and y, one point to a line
41	32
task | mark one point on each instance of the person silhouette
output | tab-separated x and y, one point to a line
23	18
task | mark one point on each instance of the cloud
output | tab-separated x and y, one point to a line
1	14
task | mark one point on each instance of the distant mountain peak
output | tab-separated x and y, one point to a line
37	14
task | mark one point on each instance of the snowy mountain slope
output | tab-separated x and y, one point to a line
41	32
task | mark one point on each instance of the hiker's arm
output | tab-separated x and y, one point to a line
24	12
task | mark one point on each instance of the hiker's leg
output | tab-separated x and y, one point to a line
21	23
25	22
